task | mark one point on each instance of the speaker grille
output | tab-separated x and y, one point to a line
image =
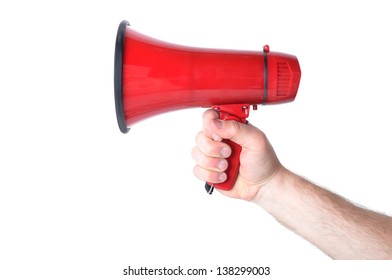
284	78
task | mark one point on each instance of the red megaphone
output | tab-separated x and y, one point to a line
153	77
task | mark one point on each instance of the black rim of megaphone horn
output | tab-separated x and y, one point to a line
118	76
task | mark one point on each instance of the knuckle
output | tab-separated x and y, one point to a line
196	171
198	136
210	114
194	153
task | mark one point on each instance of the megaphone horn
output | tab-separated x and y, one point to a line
153	77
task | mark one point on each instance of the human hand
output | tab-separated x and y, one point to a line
259	164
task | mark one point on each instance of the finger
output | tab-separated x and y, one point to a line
210	121
212	148
210	176
240	133
210	163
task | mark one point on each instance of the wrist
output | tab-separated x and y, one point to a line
274	187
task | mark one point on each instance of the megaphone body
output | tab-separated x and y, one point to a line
153	77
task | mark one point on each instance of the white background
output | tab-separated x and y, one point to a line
80	200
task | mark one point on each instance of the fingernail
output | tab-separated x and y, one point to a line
216	137
225	152
222	165
222	177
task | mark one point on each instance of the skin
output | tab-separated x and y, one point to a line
333	224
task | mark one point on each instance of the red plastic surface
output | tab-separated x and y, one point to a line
159	77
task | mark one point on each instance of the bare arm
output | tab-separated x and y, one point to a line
336	226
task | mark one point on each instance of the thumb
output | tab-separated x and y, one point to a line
244	135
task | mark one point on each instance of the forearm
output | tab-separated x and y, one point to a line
336	226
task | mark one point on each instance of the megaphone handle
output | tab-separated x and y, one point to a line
239	113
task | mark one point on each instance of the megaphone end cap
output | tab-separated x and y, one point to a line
118	76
